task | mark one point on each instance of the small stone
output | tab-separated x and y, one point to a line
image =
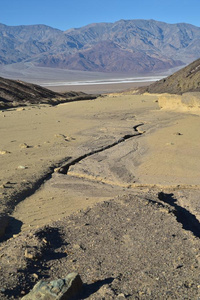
32	252
178	133
76	246
22	167
58	135
35	276
44	241
20	109
68	138
58	289
28	254
121	296
24	145
2	152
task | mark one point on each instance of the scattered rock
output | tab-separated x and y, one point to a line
178	133
35	276
58	289
121	296
58	135
33	252
4	220
2	152
20	109
22	167
24	145
68	138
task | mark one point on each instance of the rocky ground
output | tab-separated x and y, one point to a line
132	247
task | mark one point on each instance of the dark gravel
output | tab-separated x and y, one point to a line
130	247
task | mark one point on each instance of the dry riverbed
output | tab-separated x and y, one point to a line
115	181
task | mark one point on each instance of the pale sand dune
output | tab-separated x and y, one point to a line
165	156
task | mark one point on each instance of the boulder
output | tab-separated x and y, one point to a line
60	289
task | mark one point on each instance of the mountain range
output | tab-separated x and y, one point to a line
138	46
15	93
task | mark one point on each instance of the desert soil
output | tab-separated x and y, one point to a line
107	187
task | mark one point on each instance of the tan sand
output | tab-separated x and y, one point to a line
173	156
34	140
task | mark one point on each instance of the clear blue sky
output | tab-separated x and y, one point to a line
65	14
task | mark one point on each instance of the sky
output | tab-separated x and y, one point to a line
66	14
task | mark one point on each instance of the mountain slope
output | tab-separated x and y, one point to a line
185	80
15	93
107	56
126	45
18	43
144	35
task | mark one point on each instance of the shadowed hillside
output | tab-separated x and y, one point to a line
185	80
15	93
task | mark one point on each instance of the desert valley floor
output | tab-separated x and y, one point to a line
108	188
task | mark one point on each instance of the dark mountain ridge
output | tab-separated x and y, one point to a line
126	45
14	93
